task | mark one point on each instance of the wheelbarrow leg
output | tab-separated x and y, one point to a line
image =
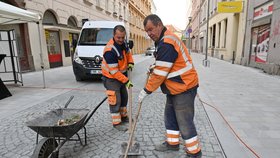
79	138
85	135
37	137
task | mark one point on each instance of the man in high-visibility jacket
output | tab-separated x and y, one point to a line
117	59
174	72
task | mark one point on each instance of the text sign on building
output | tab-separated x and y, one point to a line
230	7
263	11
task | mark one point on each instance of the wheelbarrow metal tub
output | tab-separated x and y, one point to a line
46	125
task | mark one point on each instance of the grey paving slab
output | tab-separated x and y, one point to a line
103	140
30	101
247	98
249	101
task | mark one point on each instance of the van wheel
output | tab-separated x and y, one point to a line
78	78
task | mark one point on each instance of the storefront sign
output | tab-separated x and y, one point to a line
262	45
47	34
263	11
230	7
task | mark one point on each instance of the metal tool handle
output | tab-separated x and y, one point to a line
130	104
129	143
93	111
133	129
67	103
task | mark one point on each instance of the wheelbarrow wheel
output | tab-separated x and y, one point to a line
44	148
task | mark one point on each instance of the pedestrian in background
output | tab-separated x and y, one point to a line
174	72
117	59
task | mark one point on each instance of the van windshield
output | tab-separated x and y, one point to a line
95	36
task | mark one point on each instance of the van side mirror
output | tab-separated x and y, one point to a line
130	44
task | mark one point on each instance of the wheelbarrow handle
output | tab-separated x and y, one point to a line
93	111
70	99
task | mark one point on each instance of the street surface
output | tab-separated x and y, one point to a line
248	99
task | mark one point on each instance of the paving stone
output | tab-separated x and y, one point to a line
19	141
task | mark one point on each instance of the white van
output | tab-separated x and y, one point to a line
89	48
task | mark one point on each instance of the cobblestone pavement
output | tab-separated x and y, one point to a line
18	141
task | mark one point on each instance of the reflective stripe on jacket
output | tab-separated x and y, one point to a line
174	76
115	62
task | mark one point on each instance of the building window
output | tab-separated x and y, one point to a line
120	9
107	5
214	36
124	13
210	39
225	38
219	38
53	48
72	22
115	9
260	43
49	18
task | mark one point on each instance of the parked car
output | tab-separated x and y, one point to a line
150	51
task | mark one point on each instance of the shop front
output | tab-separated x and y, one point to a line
260	33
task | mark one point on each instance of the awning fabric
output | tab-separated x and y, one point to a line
12	15
52	27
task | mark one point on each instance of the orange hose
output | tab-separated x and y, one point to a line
231	128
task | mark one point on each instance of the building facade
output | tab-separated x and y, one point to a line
61	24
195	26
263	36
250	37
138	10
225	31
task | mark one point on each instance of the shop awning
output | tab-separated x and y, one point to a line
52	27
12	15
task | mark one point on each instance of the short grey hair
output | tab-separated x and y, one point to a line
154	19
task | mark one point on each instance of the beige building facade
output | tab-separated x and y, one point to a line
225	31
138	10
61	24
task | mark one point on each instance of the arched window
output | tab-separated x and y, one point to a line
72	22
49	18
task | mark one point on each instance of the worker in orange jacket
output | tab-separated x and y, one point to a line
174	72
117	59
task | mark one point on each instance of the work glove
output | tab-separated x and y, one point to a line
151	69
128	84
142	95
130	67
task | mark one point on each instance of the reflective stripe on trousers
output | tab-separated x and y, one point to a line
121	93
179	113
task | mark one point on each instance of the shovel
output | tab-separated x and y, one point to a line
132	147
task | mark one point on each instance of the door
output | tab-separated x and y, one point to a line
53	47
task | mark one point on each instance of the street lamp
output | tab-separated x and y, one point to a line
189	32
206	62
190	19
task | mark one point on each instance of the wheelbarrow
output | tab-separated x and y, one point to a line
56	130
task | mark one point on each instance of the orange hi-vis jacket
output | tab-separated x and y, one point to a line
115	61
174	70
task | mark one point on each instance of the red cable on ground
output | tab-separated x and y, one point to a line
238	137
76	89
158	92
